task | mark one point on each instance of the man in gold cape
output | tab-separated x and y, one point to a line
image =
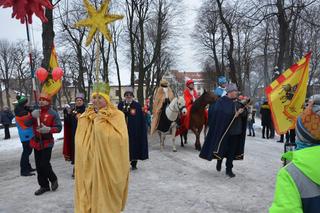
101	157
162	98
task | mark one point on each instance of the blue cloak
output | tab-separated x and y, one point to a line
137	130
221	116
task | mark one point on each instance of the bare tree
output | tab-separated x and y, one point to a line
207	34
7	66
228	26
73	38
116	33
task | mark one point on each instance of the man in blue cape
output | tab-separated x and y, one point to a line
223	141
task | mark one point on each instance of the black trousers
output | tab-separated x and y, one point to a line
290	136
272	132
233	140
6	131
44	169
25	165
265	132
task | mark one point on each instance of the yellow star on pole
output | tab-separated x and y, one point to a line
97	20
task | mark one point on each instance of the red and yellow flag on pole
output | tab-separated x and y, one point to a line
52	87
53	63
286	95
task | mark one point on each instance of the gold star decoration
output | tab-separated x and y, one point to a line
97	20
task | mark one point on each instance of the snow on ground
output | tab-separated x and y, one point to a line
168	182
14	142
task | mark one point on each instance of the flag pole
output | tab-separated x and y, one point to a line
34	87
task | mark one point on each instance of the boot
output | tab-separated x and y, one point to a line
134	165
27	174
218	166
230	173
42	190
32	169
249	134
54	185
72	173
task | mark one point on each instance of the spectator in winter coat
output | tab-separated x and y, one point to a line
70	123
265	120
43	141
298	183
251	120
6	120
24	122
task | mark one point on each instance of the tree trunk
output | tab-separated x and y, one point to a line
105	60
231	47
80	79
47	38
1	96
130	16
265	57
141	65
215	56
115	57
283	35
7	94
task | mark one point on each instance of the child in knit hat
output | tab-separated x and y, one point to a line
298	183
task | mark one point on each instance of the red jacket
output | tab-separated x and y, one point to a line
188	97
49	118
189	101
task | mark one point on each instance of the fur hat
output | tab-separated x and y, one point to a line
164	83
308	125
128	90
231	87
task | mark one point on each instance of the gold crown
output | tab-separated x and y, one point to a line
101	88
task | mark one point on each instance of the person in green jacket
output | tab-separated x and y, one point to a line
298	183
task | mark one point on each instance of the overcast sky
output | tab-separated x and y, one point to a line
12	30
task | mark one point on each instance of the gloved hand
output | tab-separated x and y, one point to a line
35	113
44	129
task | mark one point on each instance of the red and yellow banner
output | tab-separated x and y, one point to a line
53	59
286	95
52	87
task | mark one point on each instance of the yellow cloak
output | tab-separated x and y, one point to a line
101	161
158	101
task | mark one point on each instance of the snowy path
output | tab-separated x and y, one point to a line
168	182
